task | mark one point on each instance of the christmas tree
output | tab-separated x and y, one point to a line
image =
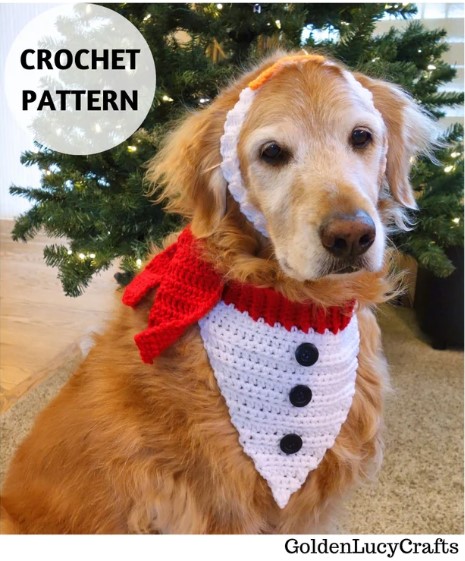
439	222
98	202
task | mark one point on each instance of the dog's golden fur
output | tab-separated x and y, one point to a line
130	447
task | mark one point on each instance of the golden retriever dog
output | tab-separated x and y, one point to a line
258	403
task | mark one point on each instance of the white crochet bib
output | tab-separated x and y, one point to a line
256	368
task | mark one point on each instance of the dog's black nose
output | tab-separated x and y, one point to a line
348	235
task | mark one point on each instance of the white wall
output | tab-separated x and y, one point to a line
13	140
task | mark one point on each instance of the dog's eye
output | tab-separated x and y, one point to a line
273	154
360	138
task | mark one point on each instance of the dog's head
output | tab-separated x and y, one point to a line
302	153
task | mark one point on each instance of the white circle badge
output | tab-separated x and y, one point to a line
81	78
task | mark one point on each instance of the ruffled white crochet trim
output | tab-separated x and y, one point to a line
229	142
230	164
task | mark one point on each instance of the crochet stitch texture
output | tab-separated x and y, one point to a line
252	337
286	370
236	117
256	369
189	287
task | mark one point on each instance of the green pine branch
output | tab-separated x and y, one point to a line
439	221
97	204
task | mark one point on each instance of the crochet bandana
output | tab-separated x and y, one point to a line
286	370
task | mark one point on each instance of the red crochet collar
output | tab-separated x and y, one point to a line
189	287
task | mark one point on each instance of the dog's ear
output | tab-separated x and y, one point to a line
186	170
409	132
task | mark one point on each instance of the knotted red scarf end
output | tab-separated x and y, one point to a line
189	287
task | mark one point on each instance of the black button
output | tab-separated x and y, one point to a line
300	396
291	443
306	354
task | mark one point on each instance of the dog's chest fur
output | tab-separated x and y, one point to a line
288	391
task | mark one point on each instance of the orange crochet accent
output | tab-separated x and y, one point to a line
279	65
189	287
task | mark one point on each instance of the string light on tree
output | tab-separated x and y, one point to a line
202	56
